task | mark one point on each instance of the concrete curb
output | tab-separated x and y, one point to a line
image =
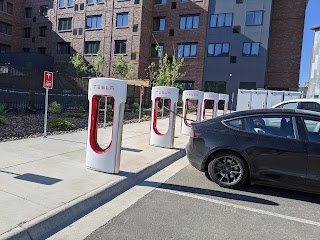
57	219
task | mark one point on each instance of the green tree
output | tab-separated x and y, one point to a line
122	68
79	63
98	64
168	72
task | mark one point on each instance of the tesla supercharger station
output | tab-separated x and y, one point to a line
187	96
225	99
105	158
157	138
207	97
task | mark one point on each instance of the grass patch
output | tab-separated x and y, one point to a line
60	124
4	121
74	115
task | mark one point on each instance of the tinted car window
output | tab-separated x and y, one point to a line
312	106
237	123
280	126
313	128
292	105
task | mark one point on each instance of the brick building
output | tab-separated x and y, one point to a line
223	50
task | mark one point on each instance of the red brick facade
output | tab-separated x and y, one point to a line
283	55
285	45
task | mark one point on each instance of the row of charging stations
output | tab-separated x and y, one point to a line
105	155
195	100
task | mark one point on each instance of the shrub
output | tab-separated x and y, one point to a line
135	107
126	107
4	121
60	124
2	107
54	107
74	115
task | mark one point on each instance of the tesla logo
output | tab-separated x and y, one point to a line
163	92
103	87
48	80
191	95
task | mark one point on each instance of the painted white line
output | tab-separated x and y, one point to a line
300	220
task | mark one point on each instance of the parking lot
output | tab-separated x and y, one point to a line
189	206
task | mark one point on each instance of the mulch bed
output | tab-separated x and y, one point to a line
27	125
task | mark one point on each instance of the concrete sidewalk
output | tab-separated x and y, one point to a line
45	185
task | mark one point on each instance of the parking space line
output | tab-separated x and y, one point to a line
295	219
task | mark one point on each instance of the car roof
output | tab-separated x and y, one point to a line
317	100
272	111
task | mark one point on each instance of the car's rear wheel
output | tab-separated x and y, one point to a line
228	170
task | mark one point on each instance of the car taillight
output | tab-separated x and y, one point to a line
194	134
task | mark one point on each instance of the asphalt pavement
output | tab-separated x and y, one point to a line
189	206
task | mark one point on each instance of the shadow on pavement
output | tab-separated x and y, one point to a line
30	177
283	193
131	149
209	192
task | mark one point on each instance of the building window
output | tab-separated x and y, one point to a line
5	48
120	46
1	5
159	23
65	24
160	1
70	3
189	21
5	28
218	49
187	49
251	49
42	50
157	50
44	10
27	32
254	18
221	20
28	12
186	85
122	19
43	31
61	3
93	22
26	49
215	86
9	8
63	48
91	48
89	2
99	1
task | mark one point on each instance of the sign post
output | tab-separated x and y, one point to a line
47	84
141	93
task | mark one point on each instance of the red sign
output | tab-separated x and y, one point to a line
141	89
48	80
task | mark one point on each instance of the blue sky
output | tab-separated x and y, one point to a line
312	19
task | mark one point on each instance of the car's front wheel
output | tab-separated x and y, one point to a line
228	170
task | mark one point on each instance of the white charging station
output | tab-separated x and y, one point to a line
105	157
187	96
210	96
157	138
225	99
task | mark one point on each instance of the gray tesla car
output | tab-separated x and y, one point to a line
276	147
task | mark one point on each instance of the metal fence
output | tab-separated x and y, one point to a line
22	89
